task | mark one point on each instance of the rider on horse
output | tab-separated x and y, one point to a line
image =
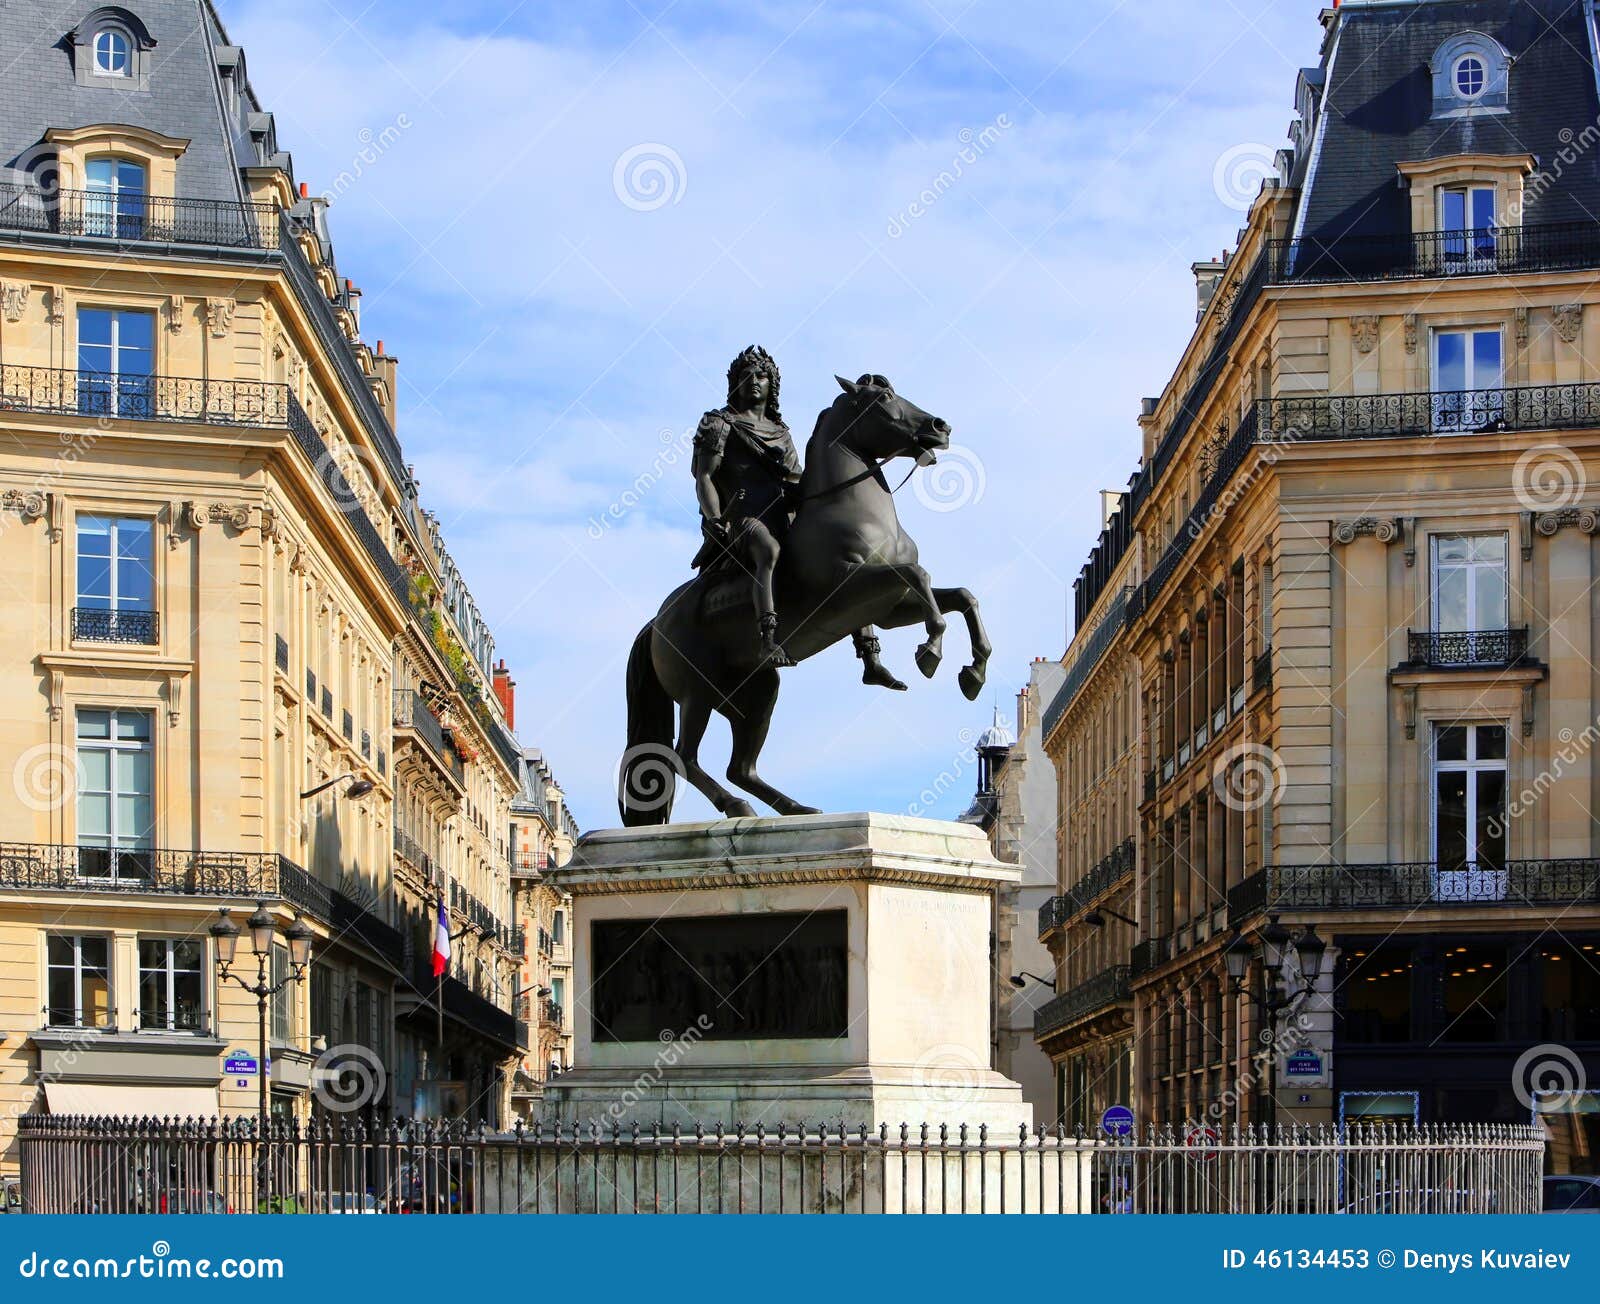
747	481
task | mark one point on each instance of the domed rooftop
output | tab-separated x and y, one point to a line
996	735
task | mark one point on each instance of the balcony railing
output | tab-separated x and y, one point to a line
93	625
1447	649
411	850
1148	954
1261	671
1052	914
1504	249
127	218
1100	993
1452	412
1411	885
62	392
412	712
465	1006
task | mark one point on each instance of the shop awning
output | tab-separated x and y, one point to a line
131	1099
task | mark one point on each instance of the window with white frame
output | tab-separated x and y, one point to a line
1470	583
1467	224
113	53
1469	76
78	983
116	782
1468	372
117	201
170	984
1469	811
116	580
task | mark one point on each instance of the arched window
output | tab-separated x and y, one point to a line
1470	77
112	53
1471	74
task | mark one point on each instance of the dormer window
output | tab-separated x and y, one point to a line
112	53
1471	74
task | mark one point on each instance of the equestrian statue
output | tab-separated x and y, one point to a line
794	558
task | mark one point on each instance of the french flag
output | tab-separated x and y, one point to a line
441	942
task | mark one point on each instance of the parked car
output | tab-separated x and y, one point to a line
351	1202
10	1195
191	1200
1572	1193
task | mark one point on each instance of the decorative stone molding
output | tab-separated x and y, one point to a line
1408	529
177	308
1527	711
1525	534
1364	332
1411	332
1568	319
219	316
270	524
194	516
1522	327
29	504
174	699
1384	529
14	298
1408	703
56	305
1587	519
235	514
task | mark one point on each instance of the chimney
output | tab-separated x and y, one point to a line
1207	276
305	190
384	369
505	688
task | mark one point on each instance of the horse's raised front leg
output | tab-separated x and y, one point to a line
931	651
749	716
693	716
972	676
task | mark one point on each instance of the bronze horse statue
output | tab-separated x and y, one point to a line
845	565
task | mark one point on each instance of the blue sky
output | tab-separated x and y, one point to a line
561	325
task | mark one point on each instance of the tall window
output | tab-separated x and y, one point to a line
116	580
116	810
116	360
169	984
112	53
1469	812
1468	371
117	200
79	981
282	1009
1471	599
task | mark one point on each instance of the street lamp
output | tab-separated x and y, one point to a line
1097	918
358	787
1020	980
1276	995
263	930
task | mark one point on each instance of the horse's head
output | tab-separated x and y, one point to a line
878	423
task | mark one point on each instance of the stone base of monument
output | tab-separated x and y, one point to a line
796	970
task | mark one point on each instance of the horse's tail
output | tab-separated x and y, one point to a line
647	780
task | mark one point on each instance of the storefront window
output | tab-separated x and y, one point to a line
1377	988
1473	980
1569	992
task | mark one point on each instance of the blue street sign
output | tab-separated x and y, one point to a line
242	1064
1117	1121
1304	1064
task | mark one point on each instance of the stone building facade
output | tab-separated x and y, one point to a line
1335	667
225	595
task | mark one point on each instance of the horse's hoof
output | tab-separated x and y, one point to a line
971	682
795	808
928	659
739	810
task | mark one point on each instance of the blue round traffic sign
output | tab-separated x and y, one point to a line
1117	1121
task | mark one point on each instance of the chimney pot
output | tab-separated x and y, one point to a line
305	190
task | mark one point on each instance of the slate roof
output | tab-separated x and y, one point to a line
1379	109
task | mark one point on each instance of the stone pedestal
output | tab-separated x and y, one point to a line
785	970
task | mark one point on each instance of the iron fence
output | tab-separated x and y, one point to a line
1415	884
125	1166
1098	993
1444	412
1482	647
128	217
63	391
1487	250
97	625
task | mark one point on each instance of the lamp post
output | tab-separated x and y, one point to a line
263	930
1276	995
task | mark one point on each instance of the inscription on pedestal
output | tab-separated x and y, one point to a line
773	976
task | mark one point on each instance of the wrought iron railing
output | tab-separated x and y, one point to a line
1502	249
1443	649
1384	416
408	847
1410	885
58	866
1051	916
1261	671
77	1165
412	712
1088	657
61	391
125	217
95	625
1099	993
1149	954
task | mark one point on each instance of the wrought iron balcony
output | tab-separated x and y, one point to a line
463	1005
1148	954
66	867
1051	913
1261	671
1101	992
93	625
127	218
409	849
1149	785
1411	885
1448	649
1503	249
1452	412
58	391
413	713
